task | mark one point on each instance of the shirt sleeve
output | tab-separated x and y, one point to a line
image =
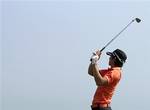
109	77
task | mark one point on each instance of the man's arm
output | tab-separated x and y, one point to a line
90	70
93	70
95	57
99	80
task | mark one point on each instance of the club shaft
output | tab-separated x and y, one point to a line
117	35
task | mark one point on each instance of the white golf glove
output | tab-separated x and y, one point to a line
94	58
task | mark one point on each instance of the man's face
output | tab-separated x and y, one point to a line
111	60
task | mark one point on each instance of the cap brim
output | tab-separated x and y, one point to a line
109	53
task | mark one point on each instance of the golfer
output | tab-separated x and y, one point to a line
106	79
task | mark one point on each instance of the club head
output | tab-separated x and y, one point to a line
138	20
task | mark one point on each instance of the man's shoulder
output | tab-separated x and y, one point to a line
116	73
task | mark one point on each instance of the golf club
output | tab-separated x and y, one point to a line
136	19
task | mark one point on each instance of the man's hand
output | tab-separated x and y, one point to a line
95	57
98	52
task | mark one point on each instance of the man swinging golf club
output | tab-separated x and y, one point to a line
106	79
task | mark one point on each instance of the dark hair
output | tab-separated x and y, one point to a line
118	63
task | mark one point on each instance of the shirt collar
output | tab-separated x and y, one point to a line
116	68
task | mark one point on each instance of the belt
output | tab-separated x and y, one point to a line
100	105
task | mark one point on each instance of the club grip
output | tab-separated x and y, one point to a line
102	49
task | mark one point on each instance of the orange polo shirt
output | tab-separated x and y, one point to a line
103	94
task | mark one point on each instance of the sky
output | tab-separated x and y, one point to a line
46	46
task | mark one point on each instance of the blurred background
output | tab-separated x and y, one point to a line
46	47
